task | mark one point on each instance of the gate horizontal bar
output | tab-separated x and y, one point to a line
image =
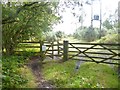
97	57
94	53
96	61
96	48
113	44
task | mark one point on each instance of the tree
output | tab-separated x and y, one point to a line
86	34
59	35
21	21
51	36
107	24
89	35
112	21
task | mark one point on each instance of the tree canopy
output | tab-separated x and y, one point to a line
25	21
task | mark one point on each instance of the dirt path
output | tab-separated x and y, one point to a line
35	66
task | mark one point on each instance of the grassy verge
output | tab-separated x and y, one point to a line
90	75
15	74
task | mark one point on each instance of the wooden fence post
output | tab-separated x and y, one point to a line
65	50
58	48
41	52
52	50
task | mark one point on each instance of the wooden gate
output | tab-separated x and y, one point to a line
92	52
53	49
89	52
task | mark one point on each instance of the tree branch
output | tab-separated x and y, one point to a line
7	20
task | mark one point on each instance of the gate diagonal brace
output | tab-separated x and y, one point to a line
114	54
80	50
75	47
74	55
107	58
47	49
108	49
84	52
88	55
77	53
90	48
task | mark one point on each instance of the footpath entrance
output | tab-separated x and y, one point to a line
88	52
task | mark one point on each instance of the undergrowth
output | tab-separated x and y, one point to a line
15	74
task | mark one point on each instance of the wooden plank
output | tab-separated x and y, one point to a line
75	47
58	48
95	48
95	57
54	55
111	44
96	61
47	45
46	42
29	42
108	49
25	51
53	50
60	43
28	46
48	53
95	53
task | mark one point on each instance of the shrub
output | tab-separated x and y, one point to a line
12	76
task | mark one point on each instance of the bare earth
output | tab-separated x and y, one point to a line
35	66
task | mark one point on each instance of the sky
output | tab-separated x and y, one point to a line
71	23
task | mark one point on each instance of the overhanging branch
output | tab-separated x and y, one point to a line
8	19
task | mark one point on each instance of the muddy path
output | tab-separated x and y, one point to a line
36	67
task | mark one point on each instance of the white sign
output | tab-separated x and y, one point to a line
43	48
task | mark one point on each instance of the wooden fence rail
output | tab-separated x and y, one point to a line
51	47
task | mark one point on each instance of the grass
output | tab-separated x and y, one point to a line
90	75
26	73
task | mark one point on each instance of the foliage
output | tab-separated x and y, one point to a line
76	8
59	35
110	38
112	21
13	76
26	20
53	36
86	34
50	36
89	35
89	75
107	24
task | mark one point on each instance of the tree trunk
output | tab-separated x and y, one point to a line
9	49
